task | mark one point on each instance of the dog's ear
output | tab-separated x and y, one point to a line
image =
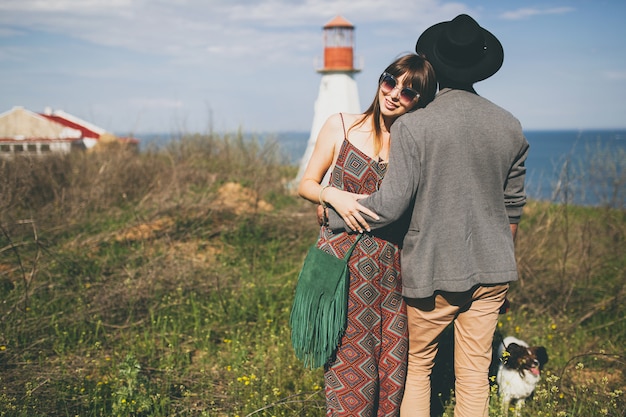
515	352
542	355
515	348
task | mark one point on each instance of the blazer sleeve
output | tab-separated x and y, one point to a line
514	191
398	187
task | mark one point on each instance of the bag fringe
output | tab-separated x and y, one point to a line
325	313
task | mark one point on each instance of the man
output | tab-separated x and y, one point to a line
458	166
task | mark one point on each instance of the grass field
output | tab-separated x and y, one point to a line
160	284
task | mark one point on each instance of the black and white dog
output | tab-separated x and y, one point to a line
519	371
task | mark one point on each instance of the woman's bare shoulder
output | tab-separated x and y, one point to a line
336	122
351	118
341	120
347	117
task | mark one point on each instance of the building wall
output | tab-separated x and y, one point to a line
33	148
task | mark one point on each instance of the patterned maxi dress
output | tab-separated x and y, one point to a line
366	378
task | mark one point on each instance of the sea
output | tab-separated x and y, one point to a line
580	167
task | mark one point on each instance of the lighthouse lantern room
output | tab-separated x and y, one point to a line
338	46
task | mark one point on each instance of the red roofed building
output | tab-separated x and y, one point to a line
89	133
24	132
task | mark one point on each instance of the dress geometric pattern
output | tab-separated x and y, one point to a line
366	377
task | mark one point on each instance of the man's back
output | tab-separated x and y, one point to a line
467	191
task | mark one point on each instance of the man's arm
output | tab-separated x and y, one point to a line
398	187
515	192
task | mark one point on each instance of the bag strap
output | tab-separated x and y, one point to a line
349	253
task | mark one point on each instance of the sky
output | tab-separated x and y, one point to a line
194	66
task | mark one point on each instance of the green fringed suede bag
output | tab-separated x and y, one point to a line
320	306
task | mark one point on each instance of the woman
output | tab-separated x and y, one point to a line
366	377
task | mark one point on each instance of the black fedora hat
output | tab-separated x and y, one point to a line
460	50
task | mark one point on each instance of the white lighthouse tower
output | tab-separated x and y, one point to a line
338	90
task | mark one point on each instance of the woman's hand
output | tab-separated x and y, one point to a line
348	207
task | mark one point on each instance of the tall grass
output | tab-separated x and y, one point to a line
160	284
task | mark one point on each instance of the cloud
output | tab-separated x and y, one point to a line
615	75
175	26
525	13
217	33
6	32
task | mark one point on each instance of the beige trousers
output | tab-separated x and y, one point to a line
475	316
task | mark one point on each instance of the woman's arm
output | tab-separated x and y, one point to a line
323	157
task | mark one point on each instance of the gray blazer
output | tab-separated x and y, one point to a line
458	166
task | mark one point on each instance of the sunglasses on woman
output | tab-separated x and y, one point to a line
388	83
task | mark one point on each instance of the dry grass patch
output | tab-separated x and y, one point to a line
233	196
145	231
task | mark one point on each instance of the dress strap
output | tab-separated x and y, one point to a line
345	136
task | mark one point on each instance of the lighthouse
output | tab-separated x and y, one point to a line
338	90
